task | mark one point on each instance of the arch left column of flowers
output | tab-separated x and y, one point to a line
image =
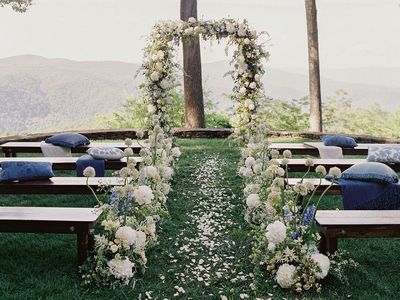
130	213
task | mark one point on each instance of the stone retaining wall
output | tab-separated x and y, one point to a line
118	134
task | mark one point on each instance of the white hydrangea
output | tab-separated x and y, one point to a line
143	194
127	235
323	262
155	76
128	152
301	189
121	268
176	152
89	172
151	171
287	154
335	172
249	162
321	170
128	142
276	232
140	239
285	276
309	162
253	200
151	109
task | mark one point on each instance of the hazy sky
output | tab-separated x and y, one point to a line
352	33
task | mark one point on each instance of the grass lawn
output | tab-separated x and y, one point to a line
203	248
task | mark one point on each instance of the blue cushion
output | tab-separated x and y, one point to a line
106	153
88	161
70	140
371	171
339	141
25	170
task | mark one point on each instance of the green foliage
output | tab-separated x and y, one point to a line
17	5
286	114
133	114
338	116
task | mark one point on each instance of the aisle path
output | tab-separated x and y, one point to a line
207	262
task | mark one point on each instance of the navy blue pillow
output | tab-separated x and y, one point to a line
371	171
25	170
339	141
70	140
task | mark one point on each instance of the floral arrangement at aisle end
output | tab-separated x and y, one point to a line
286	238
128	223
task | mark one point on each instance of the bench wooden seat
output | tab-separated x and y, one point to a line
298	164
52	220
336	224
311	148
58	185
69	163
10	149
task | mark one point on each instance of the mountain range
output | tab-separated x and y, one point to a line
41	94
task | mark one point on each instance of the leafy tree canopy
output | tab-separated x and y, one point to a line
17	5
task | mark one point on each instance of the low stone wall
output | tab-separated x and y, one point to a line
118	134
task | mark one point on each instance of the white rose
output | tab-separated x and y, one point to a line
230	27
189	31
143	195
121	268
126	234
257	77
285	276
253	85
253	200
151	109
176	152
192	20
155	76
140	239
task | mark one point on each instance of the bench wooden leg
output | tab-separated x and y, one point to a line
328	245
83	246
10	153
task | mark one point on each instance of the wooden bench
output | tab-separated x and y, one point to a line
311	148
298	164
69	163
58	186
336	224
78	221
10	149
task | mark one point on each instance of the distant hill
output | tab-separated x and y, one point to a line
38	94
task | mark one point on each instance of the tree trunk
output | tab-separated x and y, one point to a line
192	82
313	65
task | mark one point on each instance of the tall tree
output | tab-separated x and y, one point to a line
192	82
17	5
313	66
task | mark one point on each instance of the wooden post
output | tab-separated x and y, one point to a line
313	65
192	83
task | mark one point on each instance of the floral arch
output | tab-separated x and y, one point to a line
159	68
